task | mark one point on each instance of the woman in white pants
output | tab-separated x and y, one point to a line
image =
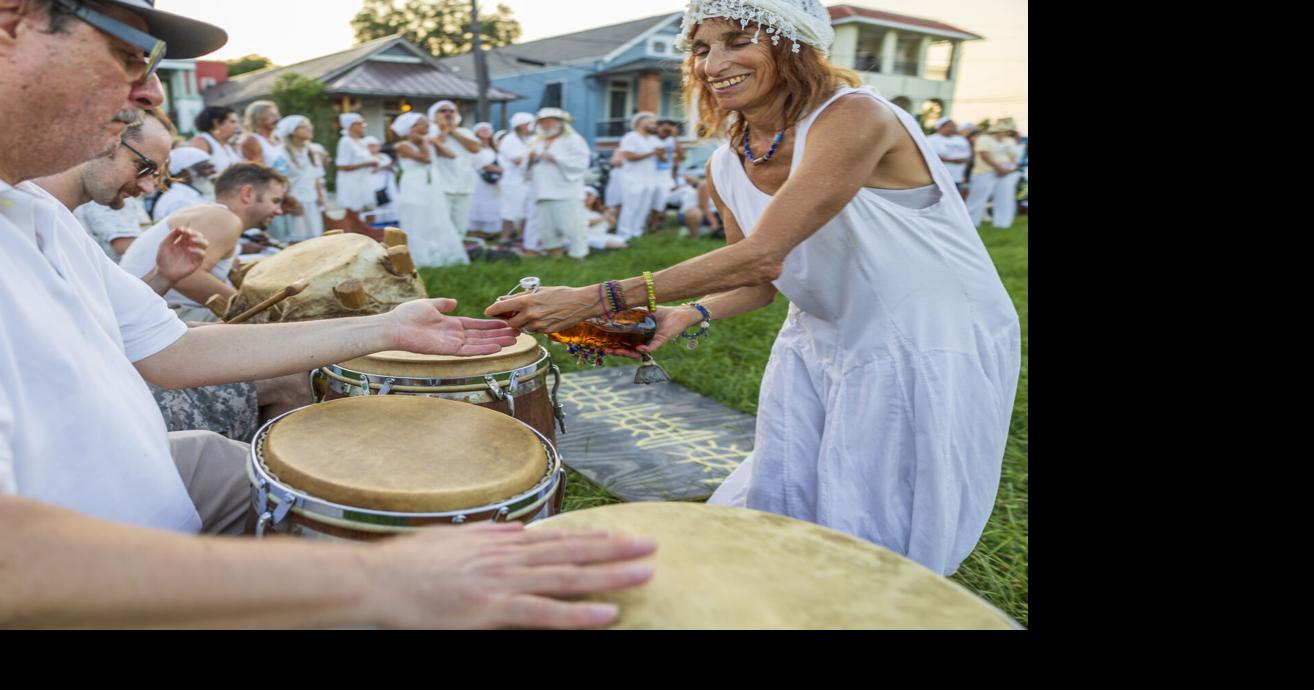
994	177
455	165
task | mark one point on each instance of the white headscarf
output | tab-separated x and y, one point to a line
288	125
800	21
346	120
404	122
433	110
483	125
370	140
521	118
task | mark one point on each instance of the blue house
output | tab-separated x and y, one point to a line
603	76
600	76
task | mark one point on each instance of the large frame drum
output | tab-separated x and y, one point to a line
732	568
513	381
365	468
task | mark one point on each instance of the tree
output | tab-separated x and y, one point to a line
249	63
297	94
442	27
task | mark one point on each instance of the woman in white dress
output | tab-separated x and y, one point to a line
305	175
216	129
385	185
432	239
486	211
354	185
885	405
994	176
456	147
260	144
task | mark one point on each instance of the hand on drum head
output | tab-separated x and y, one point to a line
420	326
180	253
499	575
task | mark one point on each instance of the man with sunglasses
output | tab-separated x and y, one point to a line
99	524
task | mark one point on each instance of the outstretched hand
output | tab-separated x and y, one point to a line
421	326
671	321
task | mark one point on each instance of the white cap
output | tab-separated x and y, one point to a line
185	157
521	118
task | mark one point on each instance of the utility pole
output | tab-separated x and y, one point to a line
481	66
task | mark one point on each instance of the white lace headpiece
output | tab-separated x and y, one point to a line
800	21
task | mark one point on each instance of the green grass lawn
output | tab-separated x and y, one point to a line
728	367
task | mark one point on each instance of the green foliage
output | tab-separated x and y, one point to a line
442	27
249	63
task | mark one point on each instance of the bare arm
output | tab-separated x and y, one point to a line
64	569
469	142
848	140
440	144
227	353
408	150
251	150
121	244
199	142
222	231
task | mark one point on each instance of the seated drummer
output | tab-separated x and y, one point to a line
98	525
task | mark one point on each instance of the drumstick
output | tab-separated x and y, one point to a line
283	294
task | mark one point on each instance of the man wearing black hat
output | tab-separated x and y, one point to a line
99	526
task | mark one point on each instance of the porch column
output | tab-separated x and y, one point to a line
650	91
889	51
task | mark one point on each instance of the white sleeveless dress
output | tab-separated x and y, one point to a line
275	156
422	208
885	405
221	155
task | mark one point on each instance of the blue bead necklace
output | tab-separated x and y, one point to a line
748	153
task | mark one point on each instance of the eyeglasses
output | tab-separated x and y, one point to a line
153	49
147	166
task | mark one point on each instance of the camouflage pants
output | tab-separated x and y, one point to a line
230	410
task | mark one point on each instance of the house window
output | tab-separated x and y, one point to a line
905	54
617	120
552	95
672	100
871	42
207	82
659	46
939	60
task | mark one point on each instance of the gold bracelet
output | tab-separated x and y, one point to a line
652	294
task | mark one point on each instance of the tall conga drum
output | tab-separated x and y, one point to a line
733	568
363	468
519	381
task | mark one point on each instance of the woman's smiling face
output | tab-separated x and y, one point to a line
739	72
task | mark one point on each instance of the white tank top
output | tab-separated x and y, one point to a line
858	281
275	155
140	258
221	155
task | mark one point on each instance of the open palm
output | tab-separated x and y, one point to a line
422	327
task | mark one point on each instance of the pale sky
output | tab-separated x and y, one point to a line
992	82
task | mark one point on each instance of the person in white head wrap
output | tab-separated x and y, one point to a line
600	236
385	184
486	208
640	185
513	156
186	166
954	150
305	179
884	408
995	175
354	188
455	166
421	203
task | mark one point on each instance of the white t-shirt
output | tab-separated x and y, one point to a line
179	197
645	169
105	224
78	426
956	147
562	178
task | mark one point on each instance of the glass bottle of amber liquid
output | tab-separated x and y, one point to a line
625	331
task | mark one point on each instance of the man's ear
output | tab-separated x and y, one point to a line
12	12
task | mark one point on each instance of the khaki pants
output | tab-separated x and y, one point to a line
213	469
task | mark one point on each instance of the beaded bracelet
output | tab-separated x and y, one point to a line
617	303
705	326
602	299
652	293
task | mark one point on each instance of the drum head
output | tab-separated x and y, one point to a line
719	567
523	353
404	454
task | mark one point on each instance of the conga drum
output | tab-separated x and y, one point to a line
733	568
513	381
368	467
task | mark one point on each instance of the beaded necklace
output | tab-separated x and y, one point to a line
748	153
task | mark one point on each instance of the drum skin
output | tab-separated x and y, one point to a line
325	262
732	568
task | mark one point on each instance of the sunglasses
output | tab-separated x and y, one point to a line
152	48
146	166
